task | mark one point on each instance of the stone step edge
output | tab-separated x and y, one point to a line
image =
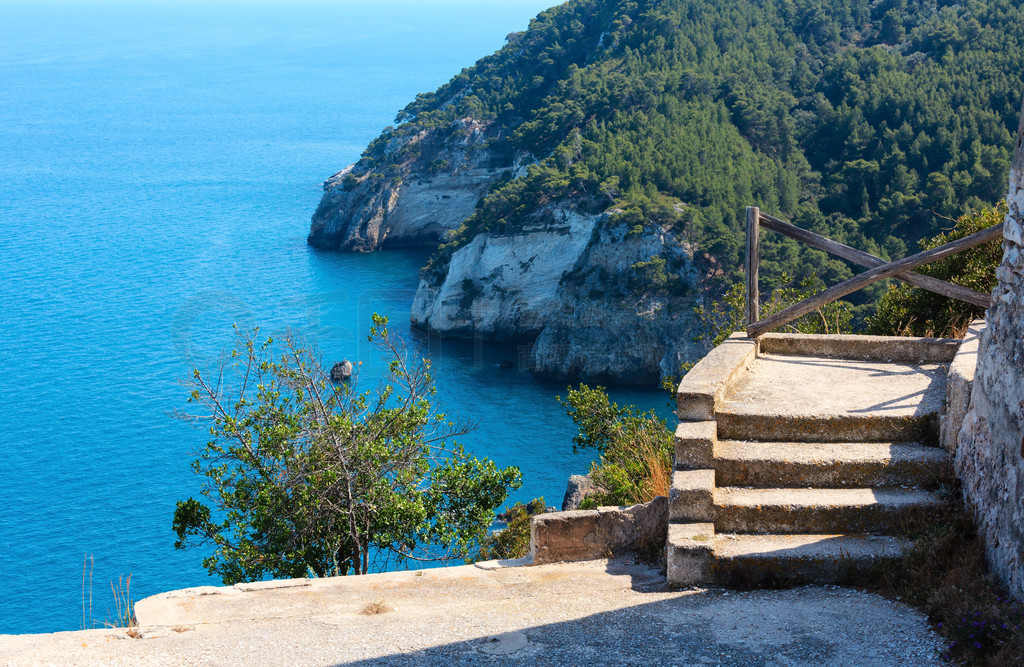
696	555
888	349
816	510
704	386
834	429
689	549
816	497
694	443
829	465
691	496
764	560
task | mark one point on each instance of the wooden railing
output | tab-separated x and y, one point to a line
878	269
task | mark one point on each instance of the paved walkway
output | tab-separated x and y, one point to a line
794	386
596	613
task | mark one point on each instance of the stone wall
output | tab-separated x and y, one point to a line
600	533
990	449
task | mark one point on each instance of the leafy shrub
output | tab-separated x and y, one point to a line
513	541
635	448
909	311
722	318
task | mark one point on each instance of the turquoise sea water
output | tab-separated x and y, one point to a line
158	169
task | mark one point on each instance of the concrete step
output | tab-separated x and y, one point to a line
691	496
688	553
752	560
817	511
835	428
823	399
829	465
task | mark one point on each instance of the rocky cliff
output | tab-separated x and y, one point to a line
408	189
990	449
594	298
588	295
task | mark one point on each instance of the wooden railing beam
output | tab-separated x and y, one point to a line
870	261
870	276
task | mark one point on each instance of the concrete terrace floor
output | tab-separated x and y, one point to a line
796	386
608	612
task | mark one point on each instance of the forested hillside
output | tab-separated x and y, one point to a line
873	122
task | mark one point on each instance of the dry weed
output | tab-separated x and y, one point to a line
376	607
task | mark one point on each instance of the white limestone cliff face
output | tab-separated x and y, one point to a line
565	287
605	331
504	287
990	449
418	188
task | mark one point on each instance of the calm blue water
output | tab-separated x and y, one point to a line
158	170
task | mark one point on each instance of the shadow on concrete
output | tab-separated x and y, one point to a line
643	577
810	626
936	376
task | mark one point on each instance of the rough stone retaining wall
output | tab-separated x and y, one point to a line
600	533
990	450
959	384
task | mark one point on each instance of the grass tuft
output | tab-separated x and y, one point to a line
376	607
124	607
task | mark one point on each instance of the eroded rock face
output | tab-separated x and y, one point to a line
419	187
575	491
990	449
566	287
564	283
504	287
605	330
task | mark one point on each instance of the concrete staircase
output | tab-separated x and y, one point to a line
800	458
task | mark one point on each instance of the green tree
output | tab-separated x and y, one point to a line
302	476
892	31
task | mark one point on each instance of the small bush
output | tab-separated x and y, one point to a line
514	540
635	448
909	311
439	165
723	317
376	608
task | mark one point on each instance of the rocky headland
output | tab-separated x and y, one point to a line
584	185
590	296
408	190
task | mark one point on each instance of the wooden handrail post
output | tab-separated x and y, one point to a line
753	264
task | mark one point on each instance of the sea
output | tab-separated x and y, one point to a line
159	164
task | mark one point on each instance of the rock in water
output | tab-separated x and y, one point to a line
578	488
341	371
